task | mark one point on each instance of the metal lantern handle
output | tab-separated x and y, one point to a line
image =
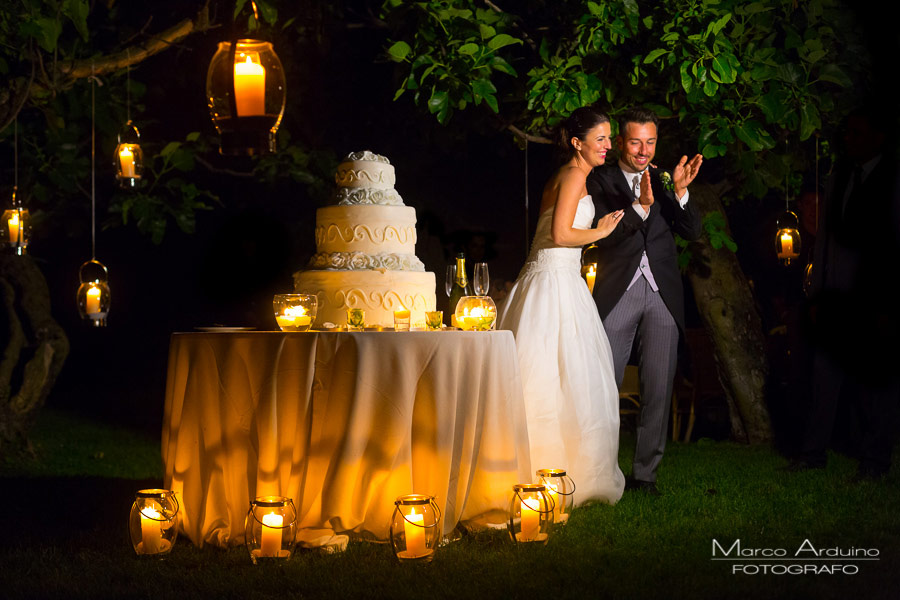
568	493
291	524
163	511
552	503
431	503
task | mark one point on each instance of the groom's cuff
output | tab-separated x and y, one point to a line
684	199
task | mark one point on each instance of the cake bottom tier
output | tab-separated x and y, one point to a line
377	292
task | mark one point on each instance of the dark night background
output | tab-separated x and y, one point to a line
246	250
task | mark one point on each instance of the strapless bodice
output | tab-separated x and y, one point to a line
546	255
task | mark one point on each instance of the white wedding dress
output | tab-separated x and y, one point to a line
571	400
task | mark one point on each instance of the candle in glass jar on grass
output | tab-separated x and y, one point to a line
249	88
270	544
92	302
414	527
151	530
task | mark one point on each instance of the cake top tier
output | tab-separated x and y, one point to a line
366	178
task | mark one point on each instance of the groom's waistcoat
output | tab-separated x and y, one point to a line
619	254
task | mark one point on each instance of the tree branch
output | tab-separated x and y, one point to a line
538	139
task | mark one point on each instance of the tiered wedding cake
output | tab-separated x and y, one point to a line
366	249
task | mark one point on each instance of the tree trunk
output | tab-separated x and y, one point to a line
728	310
34	350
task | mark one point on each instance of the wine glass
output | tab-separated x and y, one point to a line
450	279
481	280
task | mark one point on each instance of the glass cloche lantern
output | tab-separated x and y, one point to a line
560	488
129	159
245	90
270	528
530	514
787	238
415	528
17	224
152	522
476	313
93	297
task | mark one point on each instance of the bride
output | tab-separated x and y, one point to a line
571	400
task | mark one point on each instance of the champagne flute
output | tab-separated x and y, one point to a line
450	279
481	279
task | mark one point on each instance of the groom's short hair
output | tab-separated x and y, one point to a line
639	115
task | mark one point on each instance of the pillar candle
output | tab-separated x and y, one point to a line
250	88
270	544
787	245
14	228
531	519
591	276
92	305
126	161
413	526
151	530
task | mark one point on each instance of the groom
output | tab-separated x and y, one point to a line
638	288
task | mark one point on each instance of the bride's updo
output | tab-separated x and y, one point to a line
578	124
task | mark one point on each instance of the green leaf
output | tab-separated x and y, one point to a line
268	12
50	29
468	49
834	74
502	40
498	64
810	121
192	136
170	148
687	81
723	69
710	87
654	55
77	11
399	51
438	102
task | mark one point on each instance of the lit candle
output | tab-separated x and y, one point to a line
531	519
414	527
126	161
250	88
787	245
14	228
271	535
401	314
92	306
151	530
294	317
591	276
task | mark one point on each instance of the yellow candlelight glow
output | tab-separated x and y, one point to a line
126	161
92	305
14	229
553	492
271	535
531	519
591	276
414	527
151	530
250	88
293	317
401	314
787	245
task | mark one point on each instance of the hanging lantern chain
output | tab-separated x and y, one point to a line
93	169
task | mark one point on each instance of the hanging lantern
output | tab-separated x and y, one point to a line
589	265
93	294
476	313
415	528
129	160
17	225
152	522
245	90
787	238
270	527
560	488
530	514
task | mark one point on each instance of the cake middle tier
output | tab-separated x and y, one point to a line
367	229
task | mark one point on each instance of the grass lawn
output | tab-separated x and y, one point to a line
64	522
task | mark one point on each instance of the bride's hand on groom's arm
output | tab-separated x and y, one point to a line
607	223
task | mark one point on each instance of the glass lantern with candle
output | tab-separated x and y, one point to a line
476	313
245	90
295	312
415	528
152	522
17	224
560	488
787	238
270	528
129	159
531	512
93	297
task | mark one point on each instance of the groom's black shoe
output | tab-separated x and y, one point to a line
648	487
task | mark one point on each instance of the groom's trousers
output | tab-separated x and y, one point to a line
641	316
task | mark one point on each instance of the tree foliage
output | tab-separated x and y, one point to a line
747	81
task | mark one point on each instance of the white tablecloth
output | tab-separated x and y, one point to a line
343	423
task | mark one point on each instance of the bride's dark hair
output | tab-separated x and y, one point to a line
578	124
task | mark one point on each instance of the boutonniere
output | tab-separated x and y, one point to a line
667	182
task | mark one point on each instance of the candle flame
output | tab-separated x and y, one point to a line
94	291
295	311
15	219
